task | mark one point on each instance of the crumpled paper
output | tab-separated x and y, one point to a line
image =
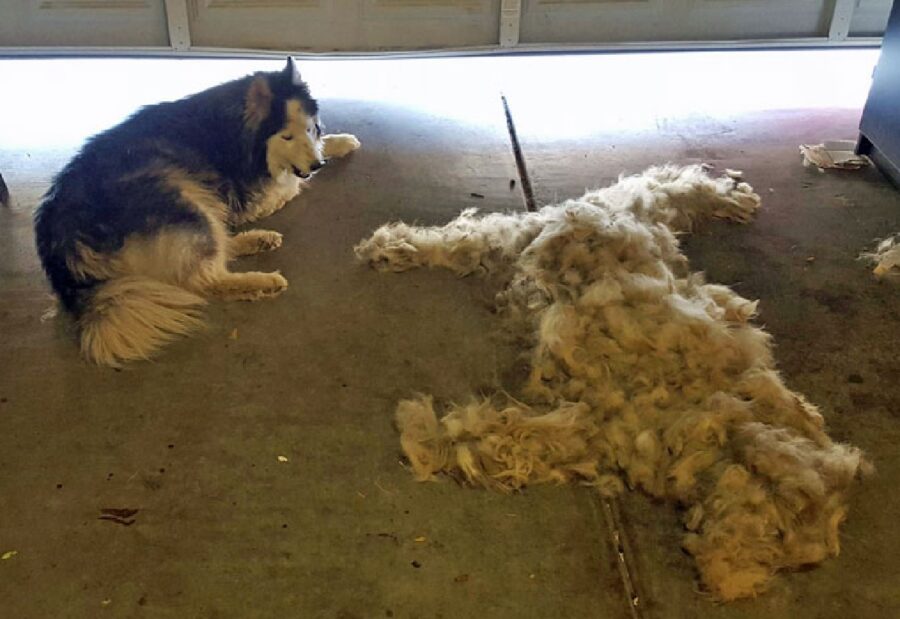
833	154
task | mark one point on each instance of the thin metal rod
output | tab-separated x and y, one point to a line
624	559
524	179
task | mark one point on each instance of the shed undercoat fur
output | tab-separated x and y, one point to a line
642	374
886	258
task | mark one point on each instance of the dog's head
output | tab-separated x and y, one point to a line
284	118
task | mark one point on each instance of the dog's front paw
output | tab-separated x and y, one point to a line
270	285
269	240
339	145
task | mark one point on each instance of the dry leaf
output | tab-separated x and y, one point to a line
282	458
9	554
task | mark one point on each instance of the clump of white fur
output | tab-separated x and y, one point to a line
886	257
641	374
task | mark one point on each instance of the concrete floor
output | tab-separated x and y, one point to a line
192	441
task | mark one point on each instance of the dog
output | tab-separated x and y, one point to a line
137	230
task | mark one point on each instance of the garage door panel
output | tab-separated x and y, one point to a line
412	24
265	24
132	23
870	17
343	25
601	21
261	4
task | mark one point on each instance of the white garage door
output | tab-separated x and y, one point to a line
394	25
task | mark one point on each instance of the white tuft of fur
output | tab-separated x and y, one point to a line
886	257
130	318
641	374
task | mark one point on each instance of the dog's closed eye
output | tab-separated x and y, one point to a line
287	138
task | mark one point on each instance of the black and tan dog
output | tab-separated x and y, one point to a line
136	229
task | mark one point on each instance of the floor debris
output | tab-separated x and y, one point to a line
383	489
123	516
50	313
389	536
886	257
833	154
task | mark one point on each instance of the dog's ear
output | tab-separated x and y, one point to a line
258	102
290	76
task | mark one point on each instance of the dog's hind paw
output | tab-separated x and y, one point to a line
339	145
254	242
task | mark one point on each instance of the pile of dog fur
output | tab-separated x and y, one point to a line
642	374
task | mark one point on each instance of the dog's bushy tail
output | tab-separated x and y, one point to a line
130	318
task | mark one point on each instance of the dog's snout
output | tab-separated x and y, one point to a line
315	166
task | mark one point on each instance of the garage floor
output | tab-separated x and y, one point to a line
196	442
